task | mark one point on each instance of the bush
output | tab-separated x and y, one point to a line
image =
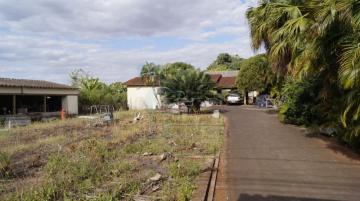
300	102
2	121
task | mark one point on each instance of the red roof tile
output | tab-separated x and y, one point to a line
137	81
227	82
215	77
221	82
8	82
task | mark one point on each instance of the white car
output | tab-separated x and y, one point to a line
233	98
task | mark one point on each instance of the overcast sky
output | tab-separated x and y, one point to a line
112	39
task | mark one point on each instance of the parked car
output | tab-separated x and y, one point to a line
234	98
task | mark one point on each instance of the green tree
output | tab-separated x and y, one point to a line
236	63
225	62
191	86
95	92
305	38
151	73
255	75
174	68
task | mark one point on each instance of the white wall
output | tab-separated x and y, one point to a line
140	98
70	104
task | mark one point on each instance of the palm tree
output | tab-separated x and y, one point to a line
190	86
313	37
151	73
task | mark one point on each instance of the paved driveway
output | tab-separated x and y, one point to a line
265	160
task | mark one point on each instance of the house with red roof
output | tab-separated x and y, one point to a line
141	95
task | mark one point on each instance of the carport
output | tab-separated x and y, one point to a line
20	96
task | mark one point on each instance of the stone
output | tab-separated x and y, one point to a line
157	177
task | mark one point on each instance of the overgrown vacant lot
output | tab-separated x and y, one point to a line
158	157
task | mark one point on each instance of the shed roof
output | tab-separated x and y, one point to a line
232	73
215	77
9	82
137	82
227	83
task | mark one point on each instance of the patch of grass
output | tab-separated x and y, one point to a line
181	185
4	134
5	170
13	148
154	146
81	162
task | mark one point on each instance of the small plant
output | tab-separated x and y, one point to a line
5	170
2	121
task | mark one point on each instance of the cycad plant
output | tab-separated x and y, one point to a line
190	86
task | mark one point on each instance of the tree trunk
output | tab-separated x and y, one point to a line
245	97
196	107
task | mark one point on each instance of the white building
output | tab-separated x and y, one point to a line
141	96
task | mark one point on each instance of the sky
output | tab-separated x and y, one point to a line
112	39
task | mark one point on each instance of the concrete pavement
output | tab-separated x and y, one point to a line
265	160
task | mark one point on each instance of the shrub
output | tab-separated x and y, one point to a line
2	121
300	100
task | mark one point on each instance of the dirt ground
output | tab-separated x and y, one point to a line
156	158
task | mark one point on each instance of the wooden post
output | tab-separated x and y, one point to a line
245	97
44	104
14	105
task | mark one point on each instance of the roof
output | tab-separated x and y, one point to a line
227	82
224	82
9	82
136	82
215	77
233	73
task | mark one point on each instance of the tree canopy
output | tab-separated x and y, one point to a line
95	92
151	73
174	68
225	62
315	39
255	74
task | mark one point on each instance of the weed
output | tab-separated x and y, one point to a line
5	170
86	163
2	122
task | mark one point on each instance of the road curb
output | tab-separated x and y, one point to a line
206	182
212	182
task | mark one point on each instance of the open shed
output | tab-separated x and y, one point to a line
26	97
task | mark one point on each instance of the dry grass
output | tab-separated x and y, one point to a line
74	160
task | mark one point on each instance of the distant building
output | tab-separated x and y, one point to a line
225	80
143	96
26	97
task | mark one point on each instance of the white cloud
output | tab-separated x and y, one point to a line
45	39
90	18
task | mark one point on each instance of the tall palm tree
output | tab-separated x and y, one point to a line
313	37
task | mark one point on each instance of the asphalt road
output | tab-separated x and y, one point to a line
265	160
